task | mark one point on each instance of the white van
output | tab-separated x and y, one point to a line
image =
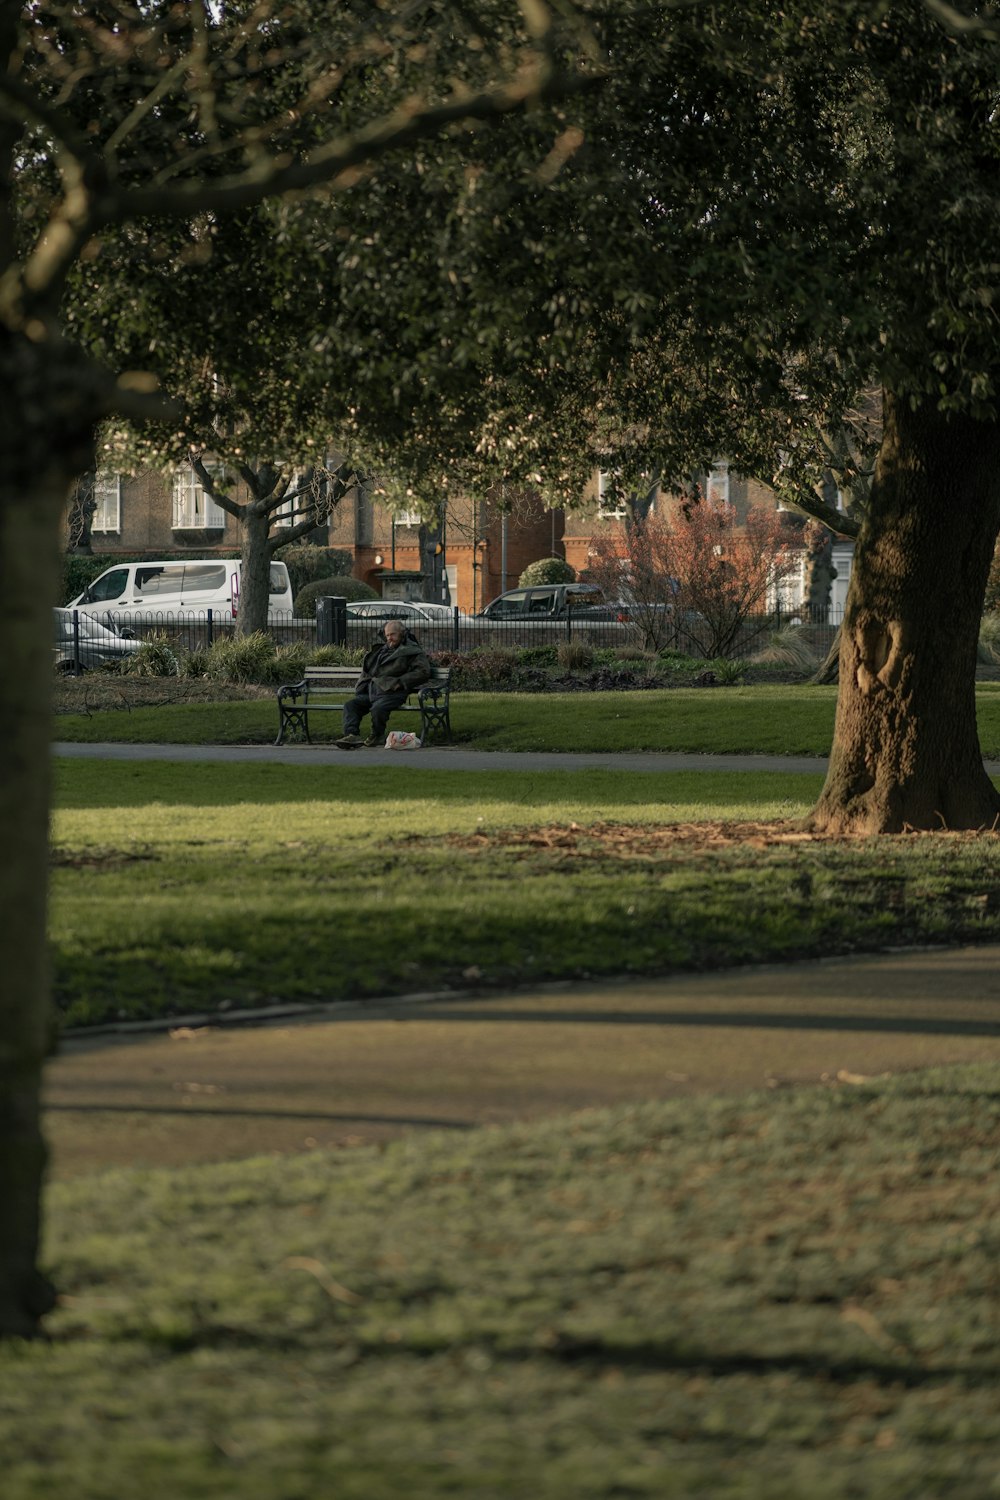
147	590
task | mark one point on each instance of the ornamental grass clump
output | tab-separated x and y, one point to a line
787	647
156	657
246	658
337	656
575	656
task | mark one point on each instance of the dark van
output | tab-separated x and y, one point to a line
549	601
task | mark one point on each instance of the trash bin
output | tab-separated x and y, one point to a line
331	621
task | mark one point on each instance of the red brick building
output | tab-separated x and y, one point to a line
479	549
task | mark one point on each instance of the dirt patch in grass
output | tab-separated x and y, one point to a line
99	692
98	859
640	840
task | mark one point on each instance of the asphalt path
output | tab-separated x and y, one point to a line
446	758
354	1074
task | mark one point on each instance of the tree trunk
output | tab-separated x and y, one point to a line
255	574
30	522
906	747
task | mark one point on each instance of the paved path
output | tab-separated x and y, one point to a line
449	759
366	1073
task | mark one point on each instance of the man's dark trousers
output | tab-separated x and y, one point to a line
380	708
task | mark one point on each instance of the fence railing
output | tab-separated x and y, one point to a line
80	645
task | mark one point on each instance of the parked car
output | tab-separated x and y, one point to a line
551	601
377	611
98	643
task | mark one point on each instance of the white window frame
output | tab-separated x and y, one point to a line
717	483
615	510
193	509
107	501
408	518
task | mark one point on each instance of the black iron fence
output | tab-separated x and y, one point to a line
84	640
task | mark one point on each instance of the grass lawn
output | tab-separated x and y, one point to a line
777	720
787	1295
180	888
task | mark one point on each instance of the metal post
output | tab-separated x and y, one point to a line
503	553
76	643
209	629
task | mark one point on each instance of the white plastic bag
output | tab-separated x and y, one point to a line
400	739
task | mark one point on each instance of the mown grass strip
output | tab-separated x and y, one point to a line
783	1295
777	720
179	888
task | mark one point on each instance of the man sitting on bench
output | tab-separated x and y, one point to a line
389	674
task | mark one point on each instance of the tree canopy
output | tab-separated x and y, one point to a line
762	216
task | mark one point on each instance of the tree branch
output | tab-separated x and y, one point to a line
222	500
839	523
963	25
292	533
403	127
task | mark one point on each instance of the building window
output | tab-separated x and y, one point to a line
408	518
107	501
193	509
717	489
610	501
294	508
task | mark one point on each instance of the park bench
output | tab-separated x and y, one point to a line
326	690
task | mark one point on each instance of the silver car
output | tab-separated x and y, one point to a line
380	610
88	644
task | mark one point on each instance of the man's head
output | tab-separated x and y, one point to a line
394	632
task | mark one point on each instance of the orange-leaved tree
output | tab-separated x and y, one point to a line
696	575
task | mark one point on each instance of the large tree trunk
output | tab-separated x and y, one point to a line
255	574
30	520
906	748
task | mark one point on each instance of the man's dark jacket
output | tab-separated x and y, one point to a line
394	669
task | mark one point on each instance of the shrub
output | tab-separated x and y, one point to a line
247	658
156	657
575	656
307	564
337	656
195	663
338	586
547	570
539	656
289	663
729	671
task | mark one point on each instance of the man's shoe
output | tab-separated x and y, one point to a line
373	742
349	742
